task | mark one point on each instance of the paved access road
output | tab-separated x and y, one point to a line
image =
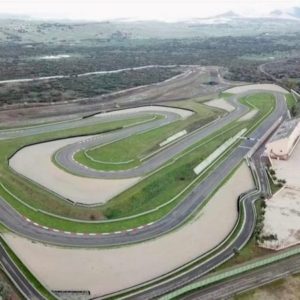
18	277
247	281
246	203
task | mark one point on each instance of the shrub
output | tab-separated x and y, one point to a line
272	172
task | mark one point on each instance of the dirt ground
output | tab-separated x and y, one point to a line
286	169
184	113
220	103
282	218
108	270
248	116
75	188
283	209
193	83
245	88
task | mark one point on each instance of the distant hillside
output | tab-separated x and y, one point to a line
227	24
296	12
293	13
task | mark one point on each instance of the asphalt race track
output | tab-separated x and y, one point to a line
65	156
17	223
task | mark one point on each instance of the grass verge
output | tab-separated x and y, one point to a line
30	277
155	190
127	153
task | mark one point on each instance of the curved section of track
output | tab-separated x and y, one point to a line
247	204
65	157
175	218
170	115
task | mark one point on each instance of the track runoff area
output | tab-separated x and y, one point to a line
69	157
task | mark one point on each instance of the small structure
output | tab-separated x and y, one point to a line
284	140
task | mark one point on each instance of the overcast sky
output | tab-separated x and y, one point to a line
168	10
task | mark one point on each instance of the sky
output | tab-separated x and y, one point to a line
167	10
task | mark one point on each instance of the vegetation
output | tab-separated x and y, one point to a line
275	183
57	90
289	287
287	71
33	194
251	250
32	279
157	189
131	150
7	289
111	49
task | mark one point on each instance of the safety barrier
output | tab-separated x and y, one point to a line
233	272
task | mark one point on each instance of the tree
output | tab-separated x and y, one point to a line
272	172
293	111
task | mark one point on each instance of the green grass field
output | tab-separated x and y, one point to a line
32	279
290	100
155	190
127	153
33	194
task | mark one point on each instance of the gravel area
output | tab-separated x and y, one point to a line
288	169
282	218
107	270
220	103
249	115
283	209
184	113
246	88
75	188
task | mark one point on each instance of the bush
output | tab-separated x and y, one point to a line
272	172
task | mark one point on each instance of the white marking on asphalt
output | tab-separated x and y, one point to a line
140	227
28	220
36	224
79	233
55	230
92	233
128	230
45	227
67	232
117	232
149	224
105	233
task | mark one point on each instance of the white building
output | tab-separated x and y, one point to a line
284	140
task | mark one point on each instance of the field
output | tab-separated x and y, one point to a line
65	89
173	181
182	64
96	268
111	46
131	150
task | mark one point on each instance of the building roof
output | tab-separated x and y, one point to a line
284	130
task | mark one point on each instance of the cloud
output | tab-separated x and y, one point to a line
140	9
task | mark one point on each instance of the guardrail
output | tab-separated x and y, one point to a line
233	272
264	137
